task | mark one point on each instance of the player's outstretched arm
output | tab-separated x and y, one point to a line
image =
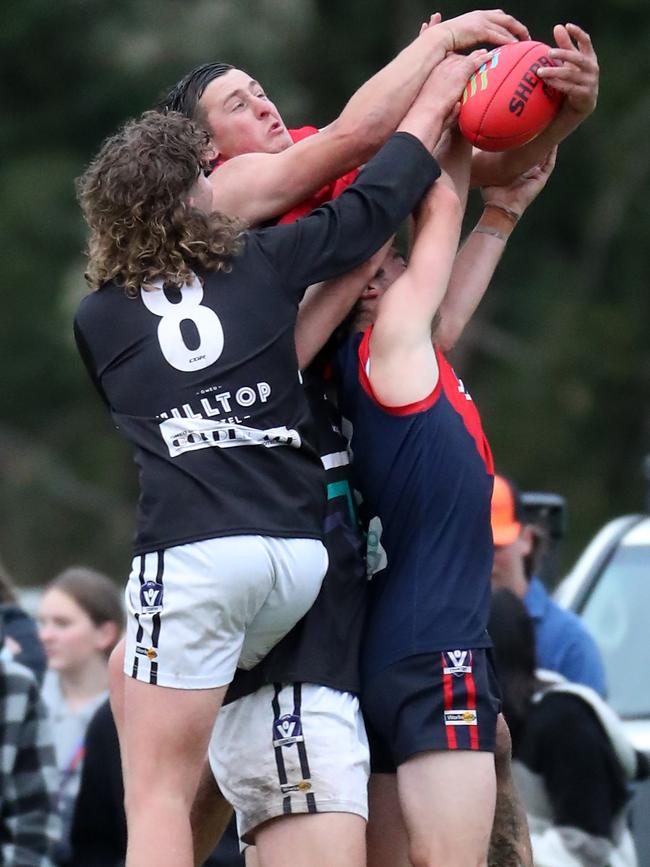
325	306
479	255
403	368
437	104
257	187
577	78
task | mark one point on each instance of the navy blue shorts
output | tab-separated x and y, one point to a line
446	700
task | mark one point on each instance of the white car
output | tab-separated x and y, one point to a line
609	587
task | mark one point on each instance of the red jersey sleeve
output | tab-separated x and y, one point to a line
330	191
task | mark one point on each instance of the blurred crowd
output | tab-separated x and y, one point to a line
61	793
61	788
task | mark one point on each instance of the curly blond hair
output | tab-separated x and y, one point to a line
133	197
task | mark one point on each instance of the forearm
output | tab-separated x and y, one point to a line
380	104
257	187
376	109
473	269
325	305
410	304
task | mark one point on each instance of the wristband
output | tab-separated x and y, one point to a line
512	215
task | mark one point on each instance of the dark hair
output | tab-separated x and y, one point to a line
184	96
511	629
133	198
94	593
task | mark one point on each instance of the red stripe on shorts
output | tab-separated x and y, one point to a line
471	705
448	687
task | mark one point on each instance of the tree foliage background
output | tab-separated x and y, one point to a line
558	357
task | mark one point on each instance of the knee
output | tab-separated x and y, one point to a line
143	799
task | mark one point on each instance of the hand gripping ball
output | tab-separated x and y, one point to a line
505	103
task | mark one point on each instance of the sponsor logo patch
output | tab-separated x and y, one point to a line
287	730
457	662
461	718
183	435
149	652
302	786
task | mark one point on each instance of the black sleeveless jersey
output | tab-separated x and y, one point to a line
324	646
204	380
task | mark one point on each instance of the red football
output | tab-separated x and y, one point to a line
505	103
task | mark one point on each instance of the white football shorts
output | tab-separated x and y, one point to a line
195	612
297	748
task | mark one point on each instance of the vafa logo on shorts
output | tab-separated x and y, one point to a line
151	597
287	730
457	662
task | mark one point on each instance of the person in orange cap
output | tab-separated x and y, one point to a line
563	643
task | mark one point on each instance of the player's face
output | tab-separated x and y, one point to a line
391	268
69	635
508	568
241	118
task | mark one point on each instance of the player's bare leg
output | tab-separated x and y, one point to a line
386	834
166	732
312	840
447	802
210	815
510	841
116	678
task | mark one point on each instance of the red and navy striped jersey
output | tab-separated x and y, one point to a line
425	472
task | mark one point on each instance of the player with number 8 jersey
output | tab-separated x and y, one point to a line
189	338
202	378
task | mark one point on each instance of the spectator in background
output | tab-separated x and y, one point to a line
21	642
80	621
98	835
563	643
571	758
29	823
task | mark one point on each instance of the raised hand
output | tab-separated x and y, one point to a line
436	18
519	194
445	85
577	76
491	26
